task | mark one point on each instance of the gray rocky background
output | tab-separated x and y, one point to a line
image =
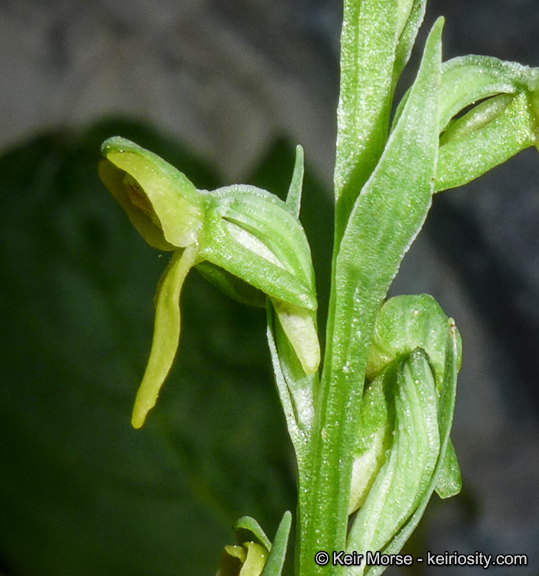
230	76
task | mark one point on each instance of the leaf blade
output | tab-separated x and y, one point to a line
386	218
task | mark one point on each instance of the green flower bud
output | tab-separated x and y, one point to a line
404	477
405	323
255	555
248	559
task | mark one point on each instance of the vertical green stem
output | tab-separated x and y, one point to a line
384	220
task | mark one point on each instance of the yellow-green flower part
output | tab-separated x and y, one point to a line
241	236
162	204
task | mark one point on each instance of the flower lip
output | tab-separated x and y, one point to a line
162	204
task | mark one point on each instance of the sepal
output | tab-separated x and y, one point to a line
253	236
374	437
503	119
161	202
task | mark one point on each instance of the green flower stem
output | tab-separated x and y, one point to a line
385	219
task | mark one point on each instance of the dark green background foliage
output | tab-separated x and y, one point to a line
81	492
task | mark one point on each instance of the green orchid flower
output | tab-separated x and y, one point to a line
404	326
244	240
255	555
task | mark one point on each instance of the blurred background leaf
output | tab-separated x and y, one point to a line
80	491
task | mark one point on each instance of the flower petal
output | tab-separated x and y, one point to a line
166	334
299	325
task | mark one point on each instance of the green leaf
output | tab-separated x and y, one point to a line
385	219
391	208
368	44
274	565
410	18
